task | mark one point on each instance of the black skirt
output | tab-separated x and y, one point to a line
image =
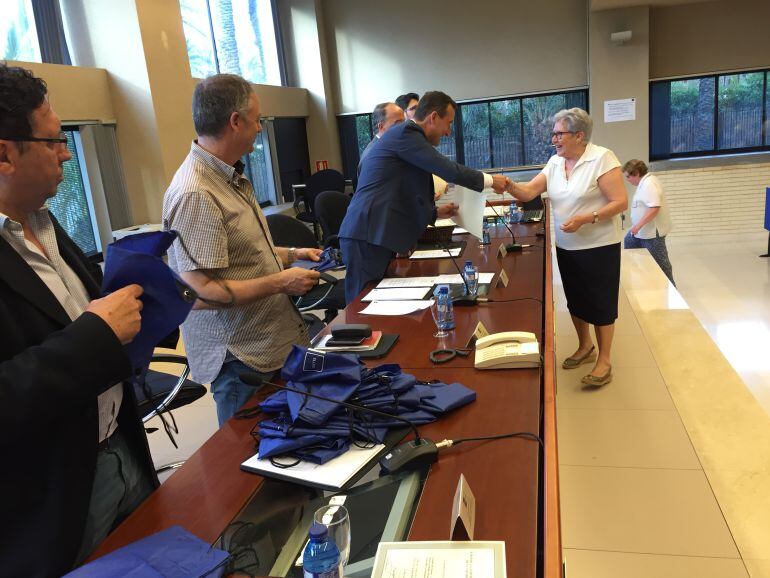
591	279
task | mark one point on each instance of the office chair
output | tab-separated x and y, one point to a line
289	232
330	209
326	180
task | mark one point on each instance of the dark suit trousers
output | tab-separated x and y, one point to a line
364	262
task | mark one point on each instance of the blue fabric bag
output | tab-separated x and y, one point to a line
166	300
333	375
171	553
447	397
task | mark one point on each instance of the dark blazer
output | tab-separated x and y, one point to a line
394	200
51	371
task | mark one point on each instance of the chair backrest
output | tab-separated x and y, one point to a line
325	180
330	209
289	232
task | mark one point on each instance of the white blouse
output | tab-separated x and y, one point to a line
579	194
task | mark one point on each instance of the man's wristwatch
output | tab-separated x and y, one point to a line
292	255
596	217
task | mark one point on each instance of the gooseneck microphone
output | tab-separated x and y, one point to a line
409	455
513	245
462	300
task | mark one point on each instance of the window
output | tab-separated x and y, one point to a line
364	131
235	36
18	35
71	205
716	114
259	169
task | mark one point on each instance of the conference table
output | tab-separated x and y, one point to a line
514	481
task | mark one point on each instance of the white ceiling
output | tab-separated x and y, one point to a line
608	4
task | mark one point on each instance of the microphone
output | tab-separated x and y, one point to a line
462	300
513	246
409	455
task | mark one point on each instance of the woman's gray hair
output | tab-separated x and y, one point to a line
215	99
577	120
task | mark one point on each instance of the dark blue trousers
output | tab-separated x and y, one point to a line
364	262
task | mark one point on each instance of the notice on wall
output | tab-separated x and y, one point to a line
620	110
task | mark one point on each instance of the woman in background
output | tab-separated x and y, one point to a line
650	219
587	195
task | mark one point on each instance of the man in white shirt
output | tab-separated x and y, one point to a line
650	218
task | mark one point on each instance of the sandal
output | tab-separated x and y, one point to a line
597	380
573	362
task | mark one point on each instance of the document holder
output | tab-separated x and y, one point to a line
387	341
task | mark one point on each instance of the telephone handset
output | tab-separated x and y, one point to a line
510	349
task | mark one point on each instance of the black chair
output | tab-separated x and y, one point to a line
330	209
325	180
289	232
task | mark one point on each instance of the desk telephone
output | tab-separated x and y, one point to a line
507	350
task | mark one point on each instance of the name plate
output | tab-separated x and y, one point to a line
478	333
502	251
502	279
463	512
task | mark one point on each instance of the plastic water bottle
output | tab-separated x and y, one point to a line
485	233
321	558
514	213
446	313
471	274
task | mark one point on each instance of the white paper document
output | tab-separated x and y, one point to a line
440	560
436	253
396	294
395	307
456	279
333	474
496	211
620	110
396	282
470	215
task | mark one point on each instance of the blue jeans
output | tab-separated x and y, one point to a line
656	247
119	487
230	393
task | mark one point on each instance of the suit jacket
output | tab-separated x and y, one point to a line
393	203
51	371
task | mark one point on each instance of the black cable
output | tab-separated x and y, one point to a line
525	435
511	300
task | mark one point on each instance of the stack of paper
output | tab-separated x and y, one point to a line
395	307
396	294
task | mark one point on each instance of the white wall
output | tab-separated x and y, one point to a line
379	50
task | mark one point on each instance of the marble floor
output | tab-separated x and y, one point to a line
664	471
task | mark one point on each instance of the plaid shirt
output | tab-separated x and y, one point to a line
213	208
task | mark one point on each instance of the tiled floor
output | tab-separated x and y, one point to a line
664	472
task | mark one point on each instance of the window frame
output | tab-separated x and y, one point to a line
660	123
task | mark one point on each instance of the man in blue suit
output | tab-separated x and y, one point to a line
394	202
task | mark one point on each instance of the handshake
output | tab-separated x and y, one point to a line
501	184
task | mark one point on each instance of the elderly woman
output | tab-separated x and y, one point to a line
650	221
585	186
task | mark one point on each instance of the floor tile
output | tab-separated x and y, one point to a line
744	497
648	511
624	439
631	388
598	564
758	568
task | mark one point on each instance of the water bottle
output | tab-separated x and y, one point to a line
446	313
514	213
471	274
321	558
485	233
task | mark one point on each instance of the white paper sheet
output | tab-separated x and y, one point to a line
333	473
496	211
436	254
469	560
397	282
452	279
396	294
395	307
470	215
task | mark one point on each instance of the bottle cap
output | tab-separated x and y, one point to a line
443	289
469	263
318	532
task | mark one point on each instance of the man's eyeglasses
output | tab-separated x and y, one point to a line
560	135
61	139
